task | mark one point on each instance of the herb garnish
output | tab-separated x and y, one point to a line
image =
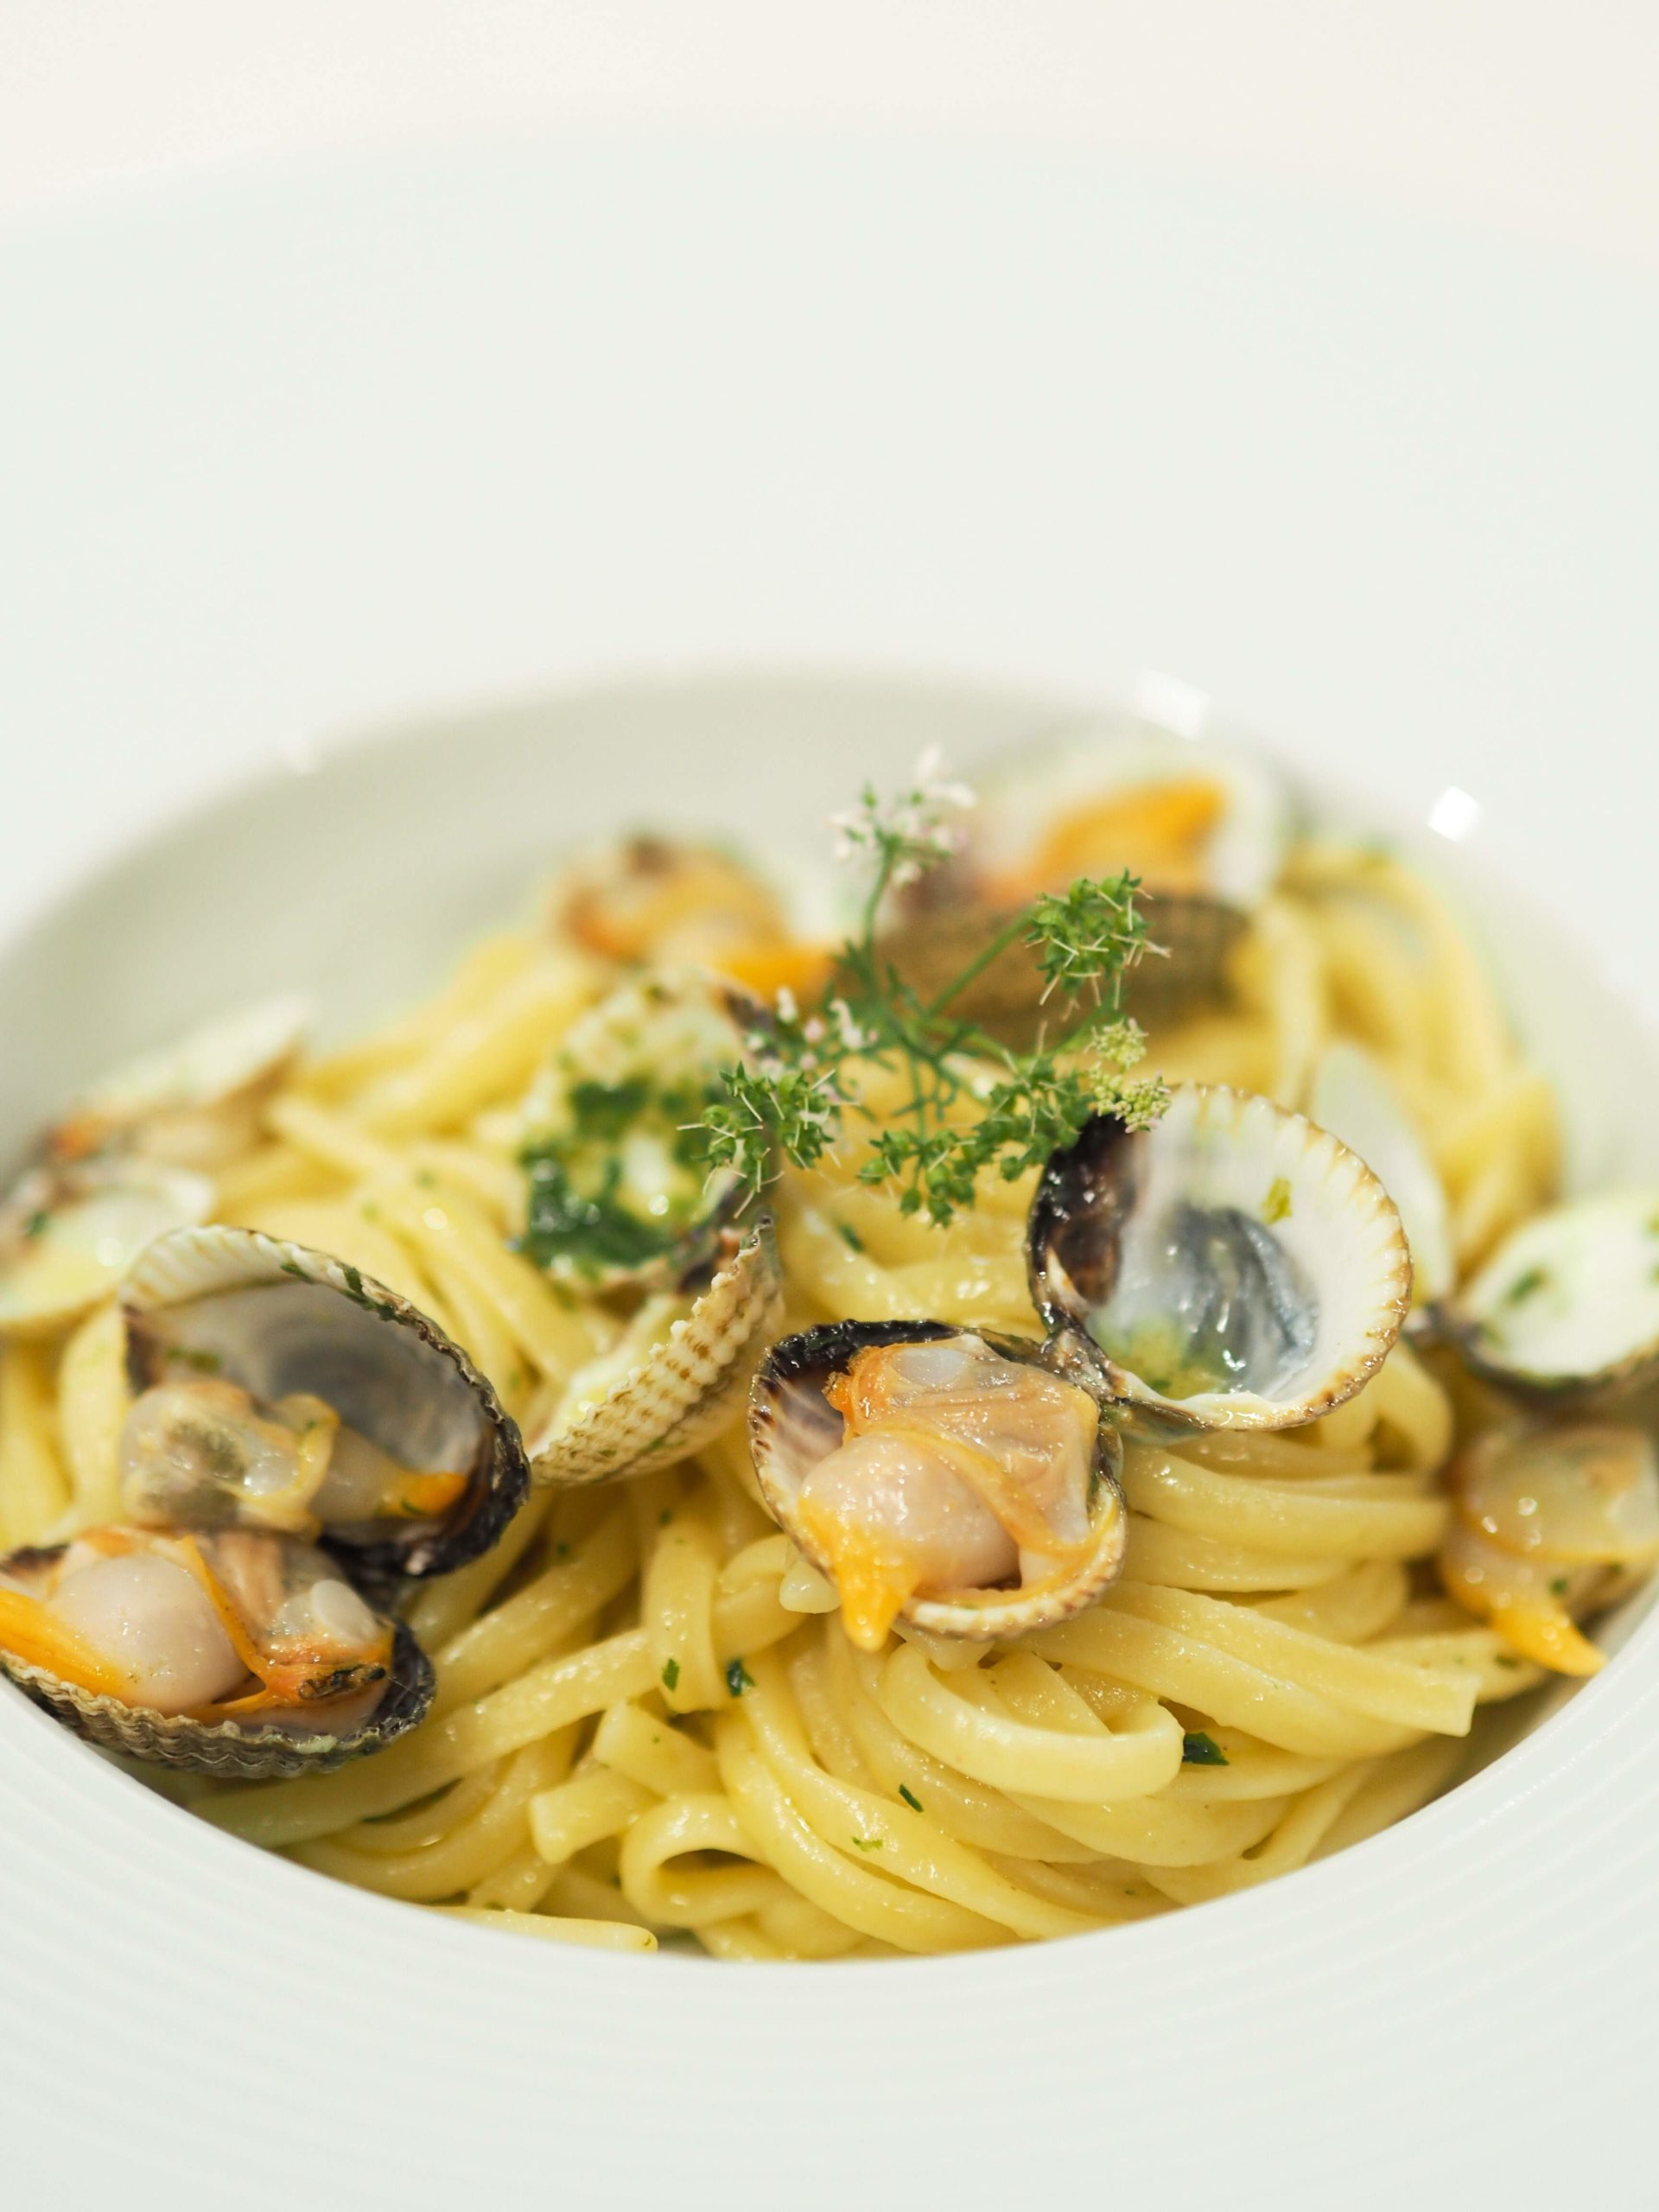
910	1798
737	1677
1526	1286
866	1843
670	1674
789	1097
1198	1749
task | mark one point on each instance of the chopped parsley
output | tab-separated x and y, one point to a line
670	1674
1526	1286
1559	1585
1198	1749
866	1843
591	1231
35	1225
910	1798
1276	1205
737	1677
850	1236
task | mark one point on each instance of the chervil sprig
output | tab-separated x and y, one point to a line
974	1105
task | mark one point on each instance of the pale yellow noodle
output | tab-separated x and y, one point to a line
634	1736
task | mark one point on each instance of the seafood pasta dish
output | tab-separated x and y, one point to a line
1071	1392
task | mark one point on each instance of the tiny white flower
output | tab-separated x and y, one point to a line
787	1008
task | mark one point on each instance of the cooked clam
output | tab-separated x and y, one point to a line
650	901
619	1189
1551	1523
70	1230
278	1388
1192	820
1351	1097
1236	1267
676	1374
1204	830
965	1482
1569	1304
234	1652
194	1103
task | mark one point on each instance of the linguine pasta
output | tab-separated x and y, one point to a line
647	1727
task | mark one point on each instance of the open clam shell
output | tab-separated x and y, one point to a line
676	1377
931	941
246	1747
70	1230
195	1102
1567	1307
794	1428
1236	1266
620	1196
1203	828
278	1319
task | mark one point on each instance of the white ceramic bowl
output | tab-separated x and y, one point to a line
289	454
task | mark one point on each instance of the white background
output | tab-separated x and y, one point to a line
1536	116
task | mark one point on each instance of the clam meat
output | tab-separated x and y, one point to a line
235	1651
1551	1523
965	1482
277	1388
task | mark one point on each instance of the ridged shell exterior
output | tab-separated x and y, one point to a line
228	1748
792	1426
684	1391
1087	1196
198	1264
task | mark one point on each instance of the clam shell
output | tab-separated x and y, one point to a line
932	940
684	1390
278	1318
1229	1152
194	1103
68	1232
792	1426
675	1023
1566	1309
227	1748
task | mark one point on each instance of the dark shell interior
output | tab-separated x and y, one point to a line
373	1362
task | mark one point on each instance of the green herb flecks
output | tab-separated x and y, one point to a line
737	1677
1526	1286
790	1099
1198	1749
910	1798
866	1843
588	1210
670	1675
850	1236
35	1225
